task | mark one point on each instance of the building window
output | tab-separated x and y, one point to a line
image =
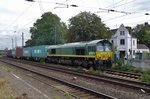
133	52
122	33
112	41
133	42
122	42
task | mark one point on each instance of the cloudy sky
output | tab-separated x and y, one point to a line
17	16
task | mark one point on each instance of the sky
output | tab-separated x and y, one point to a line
17	16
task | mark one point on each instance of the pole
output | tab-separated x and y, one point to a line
12	43
131	47
22	39
15	41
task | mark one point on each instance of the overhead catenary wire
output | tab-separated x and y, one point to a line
19	16
64	5
112	5
73	5
40	6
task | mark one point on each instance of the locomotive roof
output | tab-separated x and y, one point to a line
77	44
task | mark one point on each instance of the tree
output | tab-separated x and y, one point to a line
142	32
86	26
47	31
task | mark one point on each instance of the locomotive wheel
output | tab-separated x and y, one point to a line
88	66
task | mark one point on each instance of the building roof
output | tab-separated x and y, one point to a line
142	46
129	29
114	31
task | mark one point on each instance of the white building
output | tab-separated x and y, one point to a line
141	48
125	44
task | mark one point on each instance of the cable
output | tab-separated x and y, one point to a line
27	23
114	4
40	6
59	5
19	16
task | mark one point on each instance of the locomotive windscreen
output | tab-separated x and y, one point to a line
104	46
107	47
100	47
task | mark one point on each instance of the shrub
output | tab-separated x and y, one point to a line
146	76
42	60
120	66
117	65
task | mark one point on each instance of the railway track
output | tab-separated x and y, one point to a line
123	74
77	91
136	85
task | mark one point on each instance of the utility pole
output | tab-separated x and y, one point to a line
131	47
22	39
12	43
15	41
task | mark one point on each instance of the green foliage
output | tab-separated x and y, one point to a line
47	31
11	97
122	67
85	27
91	70
142	32
42	60
146	76
98	72
117	65
68	96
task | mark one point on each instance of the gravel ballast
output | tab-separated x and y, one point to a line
23	85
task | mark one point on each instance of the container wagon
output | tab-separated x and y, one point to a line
13	53
19	52
27	53
39	52
8	53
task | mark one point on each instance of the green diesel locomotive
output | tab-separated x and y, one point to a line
96	54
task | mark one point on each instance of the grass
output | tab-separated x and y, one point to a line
127	68
5	91
68	96
146	76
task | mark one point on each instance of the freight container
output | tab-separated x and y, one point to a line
27	52
19	52
8	53
39	52
13	53
2	52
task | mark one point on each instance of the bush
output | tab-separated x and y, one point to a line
117	65
146	76
122	67
42	60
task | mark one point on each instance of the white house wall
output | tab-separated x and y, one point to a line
128	45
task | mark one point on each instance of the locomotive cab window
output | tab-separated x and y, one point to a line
100	47
107	47
53	51
80	51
